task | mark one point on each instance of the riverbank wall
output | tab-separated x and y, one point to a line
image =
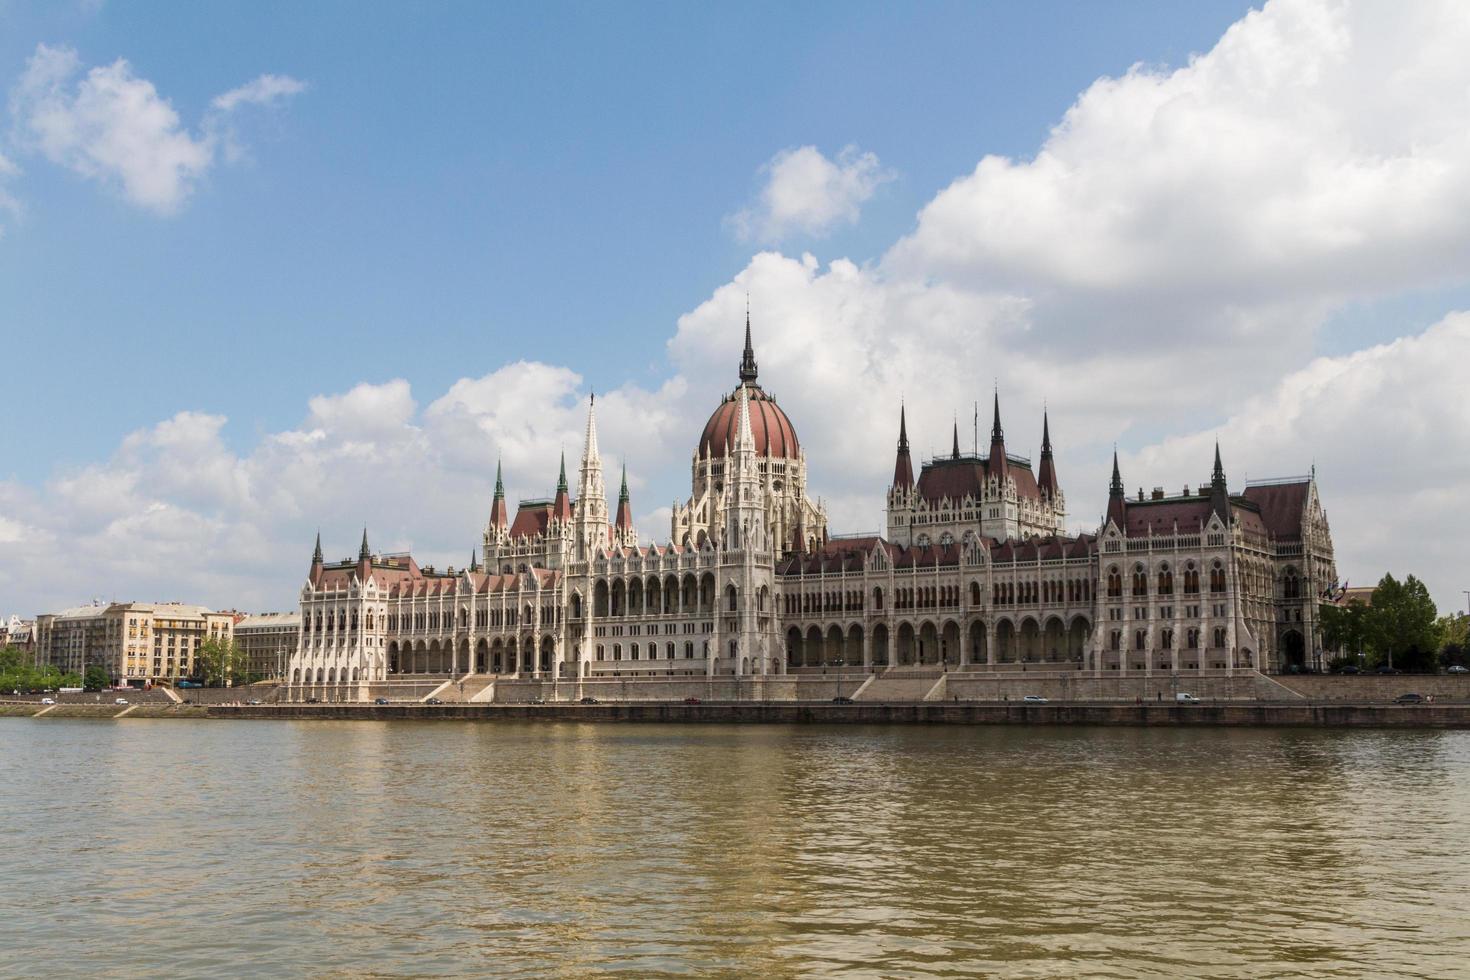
1225	714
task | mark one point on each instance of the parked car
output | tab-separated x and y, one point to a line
380	700
313	700
1184	698
120	701
842	699
692	701
1348	669
589	701
1409	699
1386	669
253	701
433	701
1033	699
48	700
1457	669
538	700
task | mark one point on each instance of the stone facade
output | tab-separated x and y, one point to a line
136	642
268	641
976	573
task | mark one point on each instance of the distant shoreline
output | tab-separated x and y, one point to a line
1252	714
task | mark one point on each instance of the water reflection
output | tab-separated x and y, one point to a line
438	849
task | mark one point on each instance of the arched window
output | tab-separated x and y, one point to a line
1140	581
1217	578
1115	583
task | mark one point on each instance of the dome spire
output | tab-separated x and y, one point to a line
996	465
364	552
955	452
747	363
316	555
1117	507
497	506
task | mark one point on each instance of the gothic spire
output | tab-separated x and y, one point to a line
316	555
497	507
624	521
1219	491
474	560
996	465
747	363
364	552
561	507
1046	474
561	479
1117	506
955	452
903	468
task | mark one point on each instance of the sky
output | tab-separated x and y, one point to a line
273	268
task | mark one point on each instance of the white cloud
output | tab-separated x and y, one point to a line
806	193
1157	274
264	90
114	127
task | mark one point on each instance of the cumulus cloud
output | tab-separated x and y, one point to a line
806	193
111	126
1156	273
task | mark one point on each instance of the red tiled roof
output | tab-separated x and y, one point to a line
773	432
956	479
1281	506
531	520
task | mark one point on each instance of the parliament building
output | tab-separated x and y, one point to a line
976	574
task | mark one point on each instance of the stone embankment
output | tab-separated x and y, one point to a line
1224	714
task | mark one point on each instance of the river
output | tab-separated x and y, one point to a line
210	848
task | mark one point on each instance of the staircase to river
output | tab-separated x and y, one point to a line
904	685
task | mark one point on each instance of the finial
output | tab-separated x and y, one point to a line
747	362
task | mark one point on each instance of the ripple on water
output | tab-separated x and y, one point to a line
375	849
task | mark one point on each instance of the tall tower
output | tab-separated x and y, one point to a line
745	509
901	493
591	494
1117	509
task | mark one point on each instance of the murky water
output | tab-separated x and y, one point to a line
184	848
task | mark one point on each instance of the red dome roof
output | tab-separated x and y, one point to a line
773	432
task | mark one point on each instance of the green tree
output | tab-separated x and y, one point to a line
1402	624
96	678
1454	640
1345	629
220	661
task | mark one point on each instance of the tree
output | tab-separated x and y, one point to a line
1454	640
1401	624
1345	628
219	661
96	678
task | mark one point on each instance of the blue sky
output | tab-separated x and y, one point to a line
411	239
471	184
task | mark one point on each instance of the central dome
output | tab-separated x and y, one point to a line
773	432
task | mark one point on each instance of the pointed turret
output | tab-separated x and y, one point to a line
561	506
1219	492
747	362
903	467
996	465
1117	508
1046	475
591	492
498	517
474	560
316	554
954	453
624	520
364	553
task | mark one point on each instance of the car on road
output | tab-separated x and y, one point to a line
1385	669
1034	699
588	701
313	700
1184	698
253	701
692	701
433	701
48	700
1348	669
1457	669
842	699
1410	698
380	700
538	701
120	701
